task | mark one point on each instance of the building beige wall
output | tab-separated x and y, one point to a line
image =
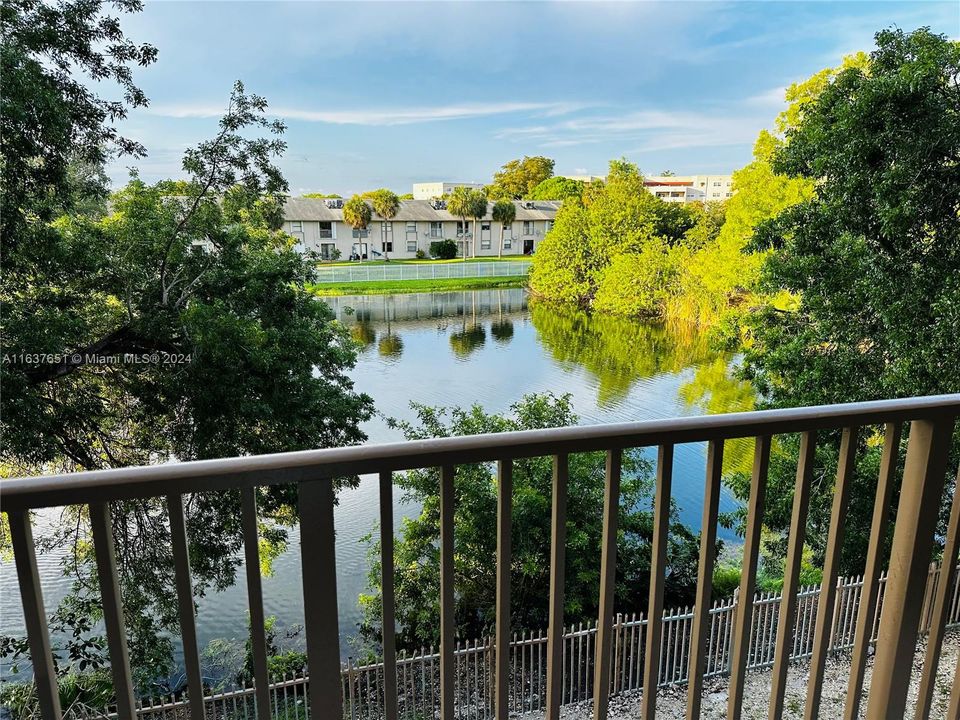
518	237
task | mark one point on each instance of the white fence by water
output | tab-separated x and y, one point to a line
422	271
418	674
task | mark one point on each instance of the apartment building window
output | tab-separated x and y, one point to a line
729	194
507	242
361	232
548	225
296	226
411	234
717	183
528	227
326	230
436	229
386	233
508	231
328	251
485	236
463	228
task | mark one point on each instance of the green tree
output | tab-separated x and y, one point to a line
872	255
52	57
322	196
557	188
386	204
357	214
615	236
475	489
478	210
461	204
517	178
504	212
192	277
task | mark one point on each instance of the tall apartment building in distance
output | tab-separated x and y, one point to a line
690	188
431	190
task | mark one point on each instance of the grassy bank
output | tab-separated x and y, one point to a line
385	287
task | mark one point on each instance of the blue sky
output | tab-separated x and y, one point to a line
386	94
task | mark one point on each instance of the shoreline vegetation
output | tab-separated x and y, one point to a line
391	287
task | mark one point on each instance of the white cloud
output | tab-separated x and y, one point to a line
645	130
385	116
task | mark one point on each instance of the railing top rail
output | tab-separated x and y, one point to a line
306	465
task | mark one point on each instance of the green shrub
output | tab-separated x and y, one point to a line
639	284
91	690
443	249
726	579
420	254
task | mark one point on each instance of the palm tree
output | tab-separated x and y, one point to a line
460	204
504	212
356	213
478	208
386	204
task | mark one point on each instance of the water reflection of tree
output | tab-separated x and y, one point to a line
617	351
714	389
502	331
501	328
363	334
391	346
467	340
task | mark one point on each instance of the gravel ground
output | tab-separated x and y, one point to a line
671	702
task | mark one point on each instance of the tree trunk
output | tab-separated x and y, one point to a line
500	249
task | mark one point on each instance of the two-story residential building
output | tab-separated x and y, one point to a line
318	226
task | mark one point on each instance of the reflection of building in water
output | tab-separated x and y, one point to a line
415	308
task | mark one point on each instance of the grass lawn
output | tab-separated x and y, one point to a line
389	287
377	263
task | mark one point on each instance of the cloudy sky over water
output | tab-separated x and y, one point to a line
387	94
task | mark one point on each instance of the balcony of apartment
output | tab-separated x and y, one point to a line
874	622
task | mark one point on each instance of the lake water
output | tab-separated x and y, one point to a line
460	348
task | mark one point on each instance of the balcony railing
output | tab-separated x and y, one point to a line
931	424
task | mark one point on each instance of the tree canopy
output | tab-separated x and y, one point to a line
173	324
357	212
517	178
417	567
870	255
557	188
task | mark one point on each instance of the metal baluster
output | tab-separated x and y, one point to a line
658	571
558	541
185	606
258	640
504	522
387	592
743	615
923	480
608	571
31	596
948	574
831	564
447	627
791	580
708	544
102	526
319	561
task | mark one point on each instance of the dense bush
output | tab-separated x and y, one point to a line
420	254
443	249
